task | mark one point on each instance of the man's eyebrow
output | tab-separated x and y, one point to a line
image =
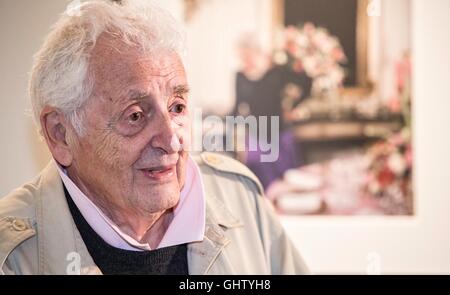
181	89
137	94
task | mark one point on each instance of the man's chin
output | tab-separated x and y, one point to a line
169	203
157	193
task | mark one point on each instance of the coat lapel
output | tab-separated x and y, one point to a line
202	255
61	248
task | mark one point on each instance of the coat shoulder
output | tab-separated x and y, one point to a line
225	164
17	219
21	202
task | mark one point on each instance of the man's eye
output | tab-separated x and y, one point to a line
178	108
135	117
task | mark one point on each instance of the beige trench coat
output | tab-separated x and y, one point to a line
242	236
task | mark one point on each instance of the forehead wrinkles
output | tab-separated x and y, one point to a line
117	65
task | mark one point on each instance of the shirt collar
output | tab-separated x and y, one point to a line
188	214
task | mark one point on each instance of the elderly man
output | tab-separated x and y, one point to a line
122	195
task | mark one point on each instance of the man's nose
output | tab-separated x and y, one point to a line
165	135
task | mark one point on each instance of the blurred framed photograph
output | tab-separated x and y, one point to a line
351	134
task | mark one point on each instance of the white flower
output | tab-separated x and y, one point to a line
310	64
316	49
374	187
281	58
397	163
302	40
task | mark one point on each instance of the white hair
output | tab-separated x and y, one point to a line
60	76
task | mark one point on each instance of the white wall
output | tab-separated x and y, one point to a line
405	245
23	25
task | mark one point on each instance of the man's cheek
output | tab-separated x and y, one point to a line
181	126
181	168
106	155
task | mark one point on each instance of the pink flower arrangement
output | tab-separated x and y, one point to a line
390	172
313	50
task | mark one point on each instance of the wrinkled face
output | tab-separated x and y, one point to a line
128	156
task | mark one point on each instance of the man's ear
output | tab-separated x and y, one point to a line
54	129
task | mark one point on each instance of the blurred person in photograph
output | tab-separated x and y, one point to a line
122	193
264	88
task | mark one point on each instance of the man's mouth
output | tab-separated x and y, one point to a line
160	173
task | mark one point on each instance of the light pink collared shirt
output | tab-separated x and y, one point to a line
187	225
